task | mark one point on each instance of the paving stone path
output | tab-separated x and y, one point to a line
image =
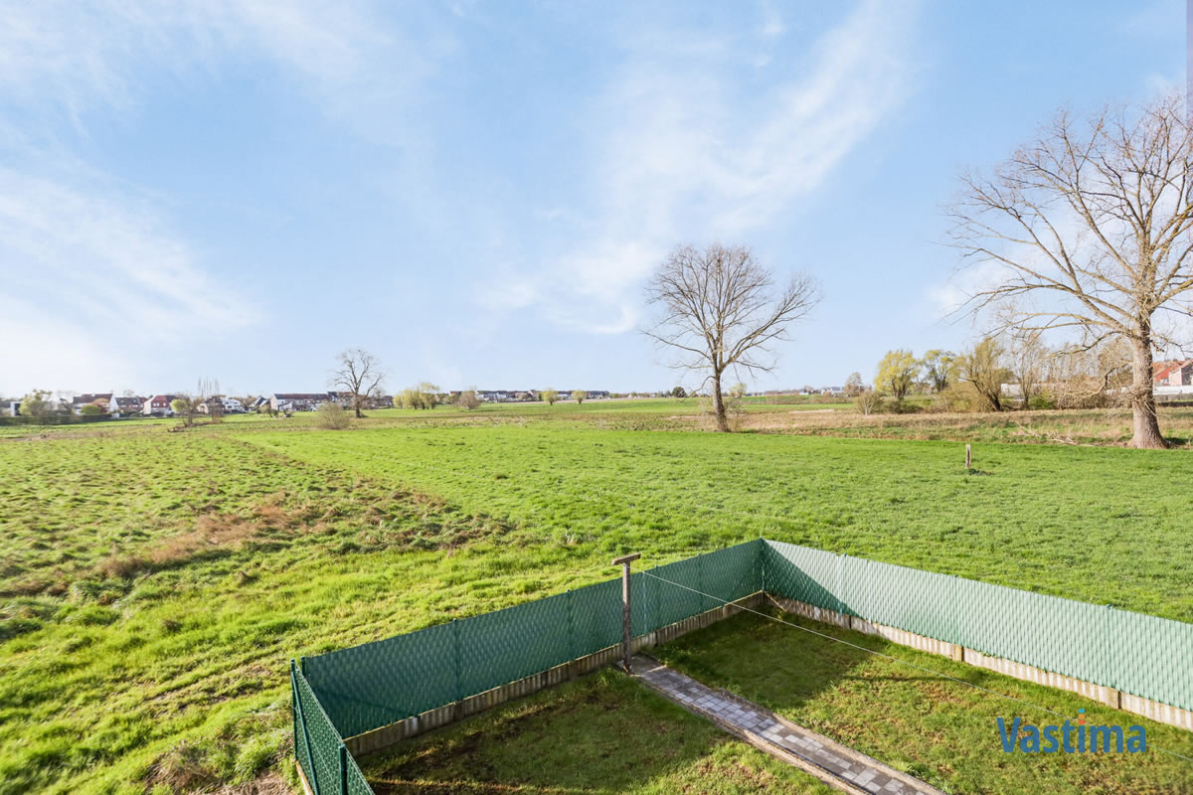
831	762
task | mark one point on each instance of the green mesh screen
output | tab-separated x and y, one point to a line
316	742
1143	655
501	647
368	686
354	690
375	684
357	783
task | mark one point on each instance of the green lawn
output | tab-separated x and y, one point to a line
600	734
940	731
1101	525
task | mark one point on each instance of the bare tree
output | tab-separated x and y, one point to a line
208	398
359	374
1088	378
867	401
1027	359
718	309
468	399
1093	223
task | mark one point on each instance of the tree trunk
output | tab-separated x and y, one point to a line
356	405
1143	402
718	404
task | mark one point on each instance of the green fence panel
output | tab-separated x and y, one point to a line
321	743
733	573
675	592
596	617
375	684
1151	657
853	580
501	647
1143	655
916	601
806	575
357	783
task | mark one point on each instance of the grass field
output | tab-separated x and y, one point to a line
1060	520
154	585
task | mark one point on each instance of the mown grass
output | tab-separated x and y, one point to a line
1095	524
941	731
600	734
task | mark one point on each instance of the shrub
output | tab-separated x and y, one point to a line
868	402
332	417
1040	402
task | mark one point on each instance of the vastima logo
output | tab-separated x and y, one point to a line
1070	738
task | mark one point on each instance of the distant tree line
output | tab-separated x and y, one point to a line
1014	370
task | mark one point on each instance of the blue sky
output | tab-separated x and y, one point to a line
476	191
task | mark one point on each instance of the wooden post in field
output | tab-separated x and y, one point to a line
625	562
968	457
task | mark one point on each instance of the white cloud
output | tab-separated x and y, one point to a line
83	258
362	70
682	151
86	267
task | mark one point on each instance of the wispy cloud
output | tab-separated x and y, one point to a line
683	150
84	256
81	265
355	62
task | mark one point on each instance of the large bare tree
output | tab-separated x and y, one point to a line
718	308
1090	228
358	373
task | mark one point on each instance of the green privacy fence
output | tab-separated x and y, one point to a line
356	690
1138	654
329	768
351	691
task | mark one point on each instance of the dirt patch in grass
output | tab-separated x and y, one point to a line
215	535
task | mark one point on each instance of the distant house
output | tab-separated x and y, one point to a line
77	403
1179	373
298	401
498	395
158	406
229	405
125	406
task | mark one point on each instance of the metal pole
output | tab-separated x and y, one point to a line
626	630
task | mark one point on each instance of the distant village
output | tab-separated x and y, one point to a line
110	404
113	405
